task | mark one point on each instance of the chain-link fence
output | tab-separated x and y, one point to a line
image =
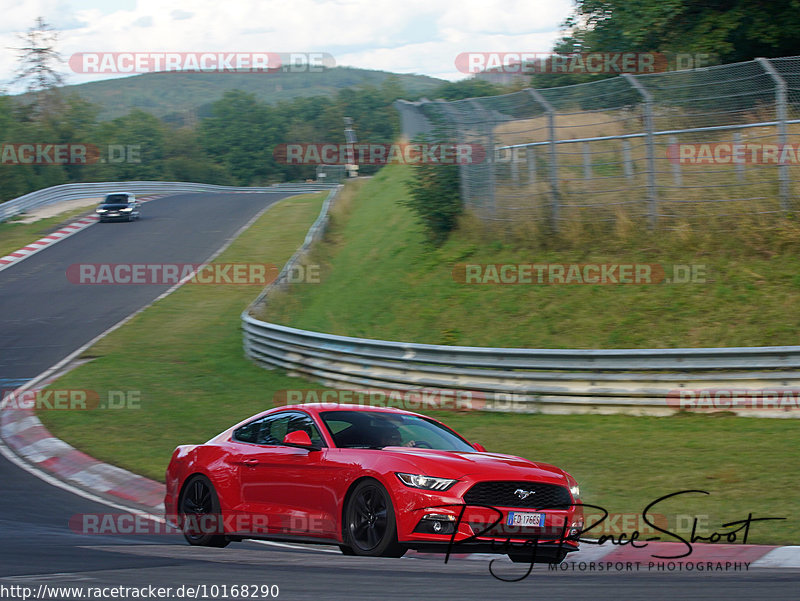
701	145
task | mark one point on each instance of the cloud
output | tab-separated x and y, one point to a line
180	15
143	22
413	36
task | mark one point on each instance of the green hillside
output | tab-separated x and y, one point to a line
187	96
380	280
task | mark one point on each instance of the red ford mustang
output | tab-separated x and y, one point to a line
375	481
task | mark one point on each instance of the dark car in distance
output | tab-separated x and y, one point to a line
120	206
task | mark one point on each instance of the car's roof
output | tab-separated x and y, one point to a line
317	408
322	407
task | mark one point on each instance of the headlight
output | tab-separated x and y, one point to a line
575	491
102	210
126	210
425	482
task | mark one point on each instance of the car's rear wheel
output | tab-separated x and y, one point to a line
370	526
200	514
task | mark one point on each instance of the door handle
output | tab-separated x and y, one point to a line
251	462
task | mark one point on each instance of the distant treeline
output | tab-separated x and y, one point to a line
233	146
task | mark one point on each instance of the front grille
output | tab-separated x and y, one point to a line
501	494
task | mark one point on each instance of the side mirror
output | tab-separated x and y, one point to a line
479	447
300	439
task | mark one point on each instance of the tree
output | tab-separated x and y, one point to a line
466	88
240	137
37	66
730	30
435	195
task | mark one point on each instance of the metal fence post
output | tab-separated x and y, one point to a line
514	157
780	110
462	169
530	154
676	165
587	161
490	155
651	147
737	140
627	162
551	126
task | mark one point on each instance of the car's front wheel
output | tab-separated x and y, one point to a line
200	514
370	527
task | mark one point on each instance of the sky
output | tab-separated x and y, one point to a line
403	36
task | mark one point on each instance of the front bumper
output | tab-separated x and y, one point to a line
479	528
114	216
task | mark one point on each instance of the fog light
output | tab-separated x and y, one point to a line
436	523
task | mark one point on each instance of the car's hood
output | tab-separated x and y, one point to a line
113	207
454	464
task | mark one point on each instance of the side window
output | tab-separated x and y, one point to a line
301	421
275	429
248	432
270	430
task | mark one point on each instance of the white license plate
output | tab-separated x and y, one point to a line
519	518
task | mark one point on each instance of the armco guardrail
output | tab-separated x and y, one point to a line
55	194
526	380
636	381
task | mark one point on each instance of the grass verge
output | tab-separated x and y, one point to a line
15	235
381	280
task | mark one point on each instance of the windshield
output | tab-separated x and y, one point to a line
116	199
377	429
